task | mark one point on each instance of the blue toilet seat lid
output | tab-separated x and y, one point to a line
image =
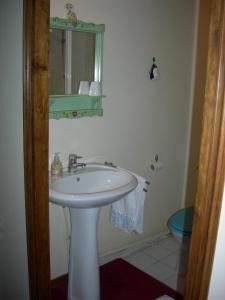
182	220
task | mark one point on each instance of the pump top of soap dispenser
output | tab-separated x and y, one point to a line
56	156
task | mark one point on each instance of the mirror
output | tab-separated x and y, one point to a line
75	55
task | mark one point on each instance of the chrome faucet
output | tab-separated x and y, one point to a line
73	165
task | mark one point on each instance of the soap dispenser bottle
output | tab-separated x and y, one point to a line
56	166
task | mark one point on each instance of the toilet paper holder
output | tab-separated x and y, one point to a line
156	165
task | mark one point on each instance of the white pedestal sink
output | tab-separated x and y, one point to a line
84	192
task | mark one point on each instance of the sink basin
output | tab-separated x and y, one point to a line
84	192
93	186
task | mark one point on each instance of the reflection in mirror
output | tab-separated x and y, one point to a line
72	59
57	62
83	58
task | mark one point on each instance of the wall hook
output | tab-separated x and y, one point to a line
154	72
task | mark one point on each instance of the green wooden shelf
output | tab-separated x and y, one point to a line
74	106
68	24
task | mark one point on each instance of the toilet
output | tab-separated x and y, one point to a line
180	224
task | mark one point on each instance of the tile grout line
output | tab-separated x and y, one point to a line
173	270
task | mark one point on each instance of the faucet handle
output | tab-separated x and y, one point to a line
78	156
74	157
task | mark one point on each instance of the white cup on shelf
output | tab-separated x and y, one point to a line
83	88
95	88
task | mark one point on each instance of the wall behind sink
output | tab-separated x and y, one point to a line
141	117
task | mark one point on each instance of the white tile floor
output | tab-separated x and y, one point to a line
160	259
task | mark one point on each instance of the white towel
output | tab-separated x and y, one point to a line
127	213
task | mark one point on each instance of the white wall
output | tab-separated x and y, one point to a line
13	255
141	117
217	287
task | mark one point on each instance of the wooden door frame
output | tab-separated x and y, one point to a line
35	88
212	155
211	163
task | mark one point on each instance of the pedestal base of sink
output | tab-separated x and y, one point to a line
84	281
84	192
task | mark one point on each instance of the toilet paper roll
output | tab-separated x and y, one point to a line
156	166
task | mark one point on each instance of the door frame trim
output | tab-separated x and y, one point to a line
211	163
35	122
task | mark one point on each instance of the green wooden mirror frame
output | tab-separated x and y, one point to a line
77	106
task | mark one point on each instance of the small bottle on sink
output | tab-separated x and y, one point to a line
56	167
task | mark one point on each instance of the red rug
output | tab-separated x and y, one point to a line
122	281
